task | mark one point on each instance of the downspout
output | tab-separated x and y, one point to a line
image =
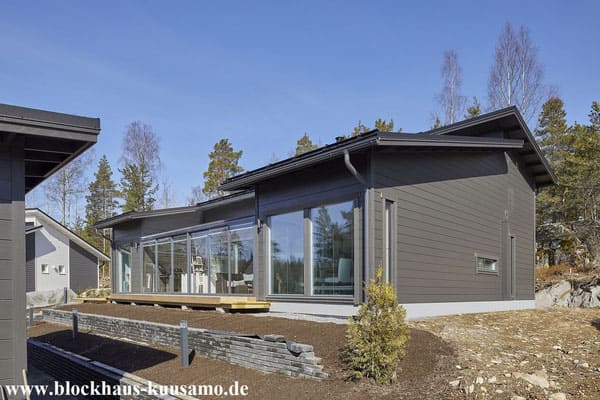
360	179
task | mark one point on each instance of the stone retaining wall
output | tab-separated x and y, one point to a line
269	353
81	371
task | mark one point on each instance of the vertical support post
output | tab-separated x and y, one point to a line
30	315
66	296
75	323
183	342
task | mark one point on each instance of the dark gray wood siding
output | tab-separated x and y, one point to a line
30	262
12	260
449	207
83	268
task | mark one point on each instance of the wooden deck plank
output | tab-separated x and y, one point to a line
227	302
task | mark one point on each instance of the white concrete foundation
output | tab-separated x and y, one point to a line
413	311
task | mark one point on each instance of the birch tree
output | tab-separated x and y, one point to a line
516	76
450	99
66	186
141	162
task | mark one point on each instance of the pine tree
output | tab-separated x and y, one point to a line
223	164
304	145
359	129
553	136
474	110
101	202
383	126
137	188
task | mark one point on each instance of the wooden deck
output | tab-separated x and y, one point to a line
91	299
225	302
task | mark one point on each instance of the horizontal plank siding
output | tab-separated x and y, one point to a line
451	206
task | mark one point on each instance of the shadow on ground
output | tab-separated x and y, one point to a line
127	356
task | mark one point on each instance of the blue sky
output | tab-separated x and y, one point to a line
263	73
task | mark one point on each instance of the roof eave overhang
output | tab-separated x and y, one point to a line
131	216
51	140
542	178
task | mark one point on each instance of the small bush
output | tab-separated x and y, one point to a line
377	336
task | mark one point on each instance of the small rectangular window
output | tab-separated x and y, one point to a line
45	269
62	270
486	264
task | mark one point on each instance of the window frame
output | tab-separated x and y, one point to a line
45	269
63	267
308	251
495	259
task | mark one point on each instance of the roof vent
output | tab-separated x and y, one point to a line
339	138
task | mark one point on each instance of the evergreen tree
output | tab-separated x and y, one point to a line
554	139
223	164
304	145
358	129
437	123
474	110
141	159
100	202
137	188
383	126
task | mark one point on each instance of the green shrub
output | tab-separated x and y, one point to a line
377	337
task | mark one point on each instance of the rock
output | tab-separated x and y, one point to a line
557	294
493	379
499	391
454	383
471	388
558	396
458	367
479	380
517	398
585	365
536	379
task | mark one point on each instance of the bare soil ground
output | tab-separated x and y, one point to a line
424	372
534	354
561	345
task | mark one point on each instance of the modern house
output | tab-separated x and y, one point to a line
56	257
449	214
33	145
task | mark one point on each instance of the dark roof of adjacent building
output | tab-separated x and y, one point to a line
462	135
51	139
49	221
212	203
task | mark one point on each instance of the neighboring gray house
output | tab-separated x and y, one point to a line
33	145
449	214
57	257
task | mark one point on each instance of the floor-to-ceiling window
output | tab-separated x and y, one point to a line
287	253
241	257
148	267
328	258
180	264
333	249
124	268
199	282
220	261
163	249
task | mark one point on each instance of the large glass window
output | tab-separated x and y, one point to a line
332	249
180	262
149	263
124	268
219	261
287	253
241	257
199	282
164	265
